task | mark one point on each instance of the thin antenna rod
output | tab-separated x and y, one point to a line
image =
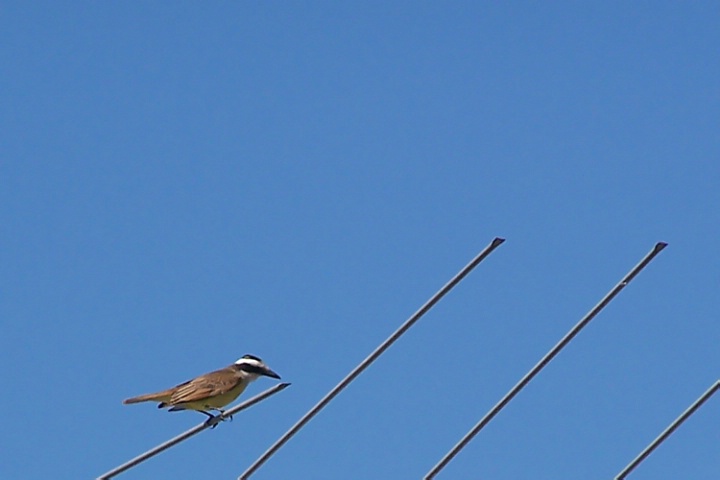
195	430
371	358
544	361
668	431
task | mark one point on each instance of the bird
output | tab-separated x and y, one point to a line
210	391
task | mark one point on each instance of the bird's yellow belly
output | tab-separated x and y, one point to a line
217	401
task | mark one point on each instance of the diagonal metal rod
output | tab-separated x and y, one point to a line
668	431
544	361
371	358
195	430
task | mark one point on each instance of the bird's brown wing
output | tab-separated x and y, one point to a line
205	386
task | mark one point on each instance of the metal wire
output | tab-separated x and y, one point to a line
193	431
668	431
371	358
543	362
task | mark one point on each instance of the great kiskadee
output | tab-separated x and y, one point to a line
211	391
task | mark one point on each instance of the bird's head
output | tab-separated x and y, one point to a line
255	367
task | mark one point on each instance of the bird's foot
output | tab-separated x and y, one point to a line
223	415
227	417
213	420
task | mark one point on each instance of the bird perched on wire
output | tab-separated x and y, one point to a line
211	391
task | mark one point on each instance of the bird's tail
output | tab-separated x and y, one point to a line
163	396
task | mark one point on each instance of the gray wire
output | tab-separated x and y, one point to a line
544	361
193	431
668	431
371	358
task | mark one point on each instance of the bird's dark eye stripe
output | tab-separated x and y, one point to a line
247	367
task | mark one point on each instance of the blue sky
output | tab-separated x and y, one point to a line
184	183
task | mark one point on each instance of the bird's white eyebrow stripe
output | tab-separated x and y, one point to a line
248	361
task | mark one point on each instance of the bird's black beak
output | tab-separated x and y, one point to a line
269	373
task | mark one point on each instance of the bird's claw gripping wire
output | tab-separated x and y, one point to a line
213	420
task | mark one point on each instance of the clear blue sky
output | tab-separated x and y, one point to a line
184	183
